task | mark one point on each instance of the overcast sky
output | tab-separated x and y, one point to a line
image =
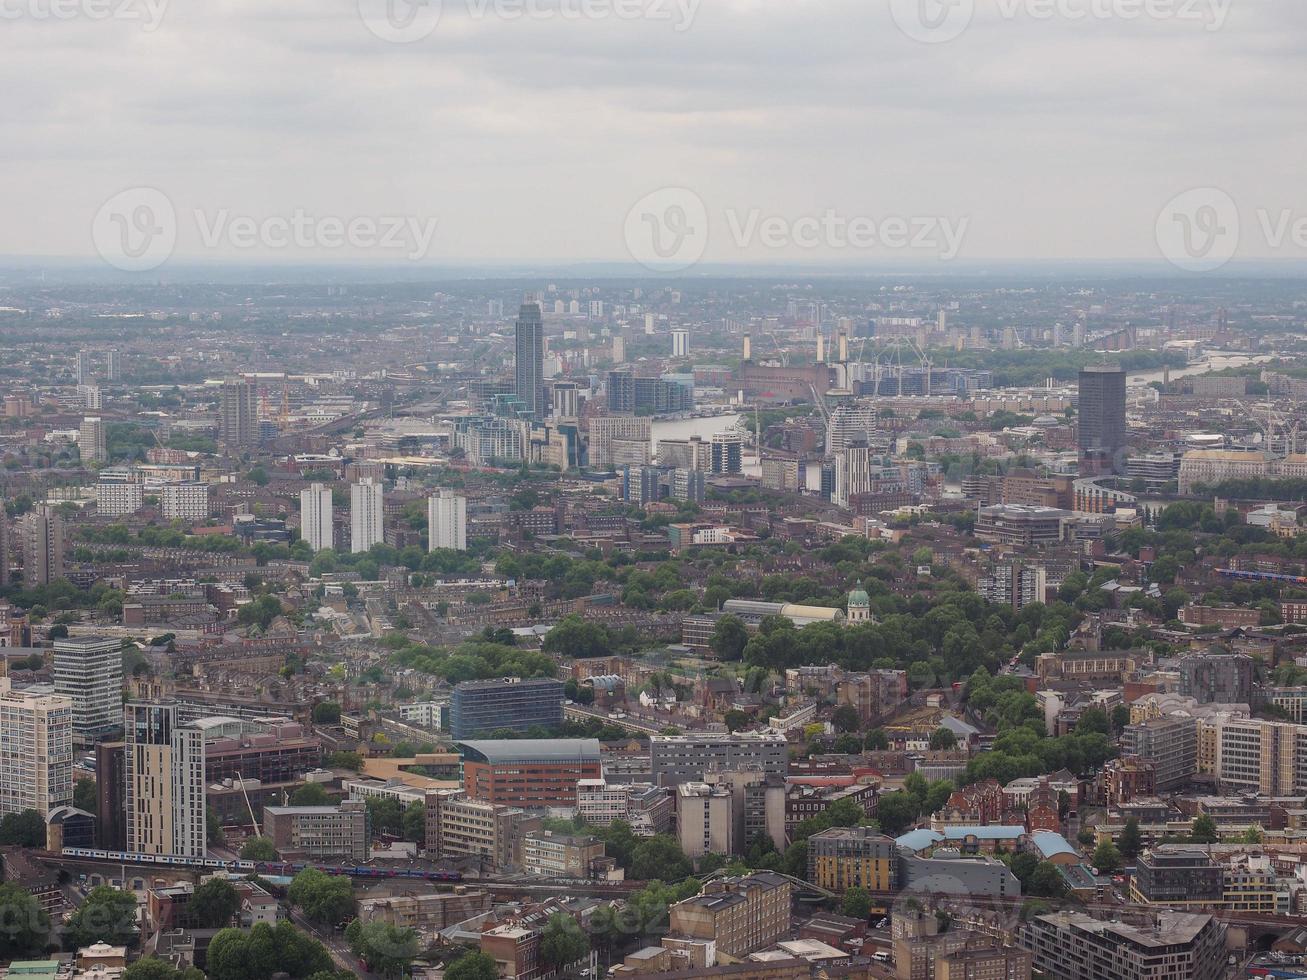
532	138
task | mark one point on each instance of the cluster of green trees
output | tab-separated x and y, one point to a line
471	661
107	915
323	898
387	949
265	951
898	811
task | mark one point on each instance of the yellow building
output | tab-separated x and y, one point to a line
852	857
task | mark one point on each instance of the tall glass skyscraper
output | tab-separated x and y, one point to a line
530	373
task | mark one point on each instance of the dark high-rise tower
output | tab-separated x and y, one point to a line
1102	420
530	368
238	414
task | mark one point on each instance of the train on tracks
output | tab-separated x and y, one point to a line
243	867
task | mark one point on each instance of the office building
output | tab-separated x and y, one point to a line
43	546
648	809
688	486
740	915
677	759
480	707
727	453
1267	757
315	517
1177	875
610	433
113	499
113	366
629	394
1176	946
984	963
460	826
1021	526
529	365
164	782
705	819
89	670
185	502
853	857
1101	420
680	343
1170	743
366	515
1217	678
528	773
319	832
238	414
92	440
447	521
36	749
566	400
561	855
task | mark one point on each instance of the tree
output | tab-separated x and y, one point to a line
1023	866
323	898
1130	843
26	926
214	903
729	638
26	829
265	950
473	966
562	942
1107	859
108	916
152	968
659	858
84	795
900	813
943	739
1203	830
876	740
258	849
845	719
345	760
310	794
388	949
735	719
414	822
326	713
1047	882
856	904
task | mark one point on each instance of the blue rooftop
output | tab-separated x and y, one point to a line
1050	844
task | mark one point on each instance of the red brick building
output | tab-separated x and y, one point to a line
528	773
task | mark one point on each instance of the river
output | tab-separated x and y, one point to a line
1214	361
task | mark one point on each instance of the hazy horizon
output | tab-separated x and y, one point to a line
736	133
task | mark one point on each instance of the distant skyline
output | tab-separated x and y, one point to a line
530	141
